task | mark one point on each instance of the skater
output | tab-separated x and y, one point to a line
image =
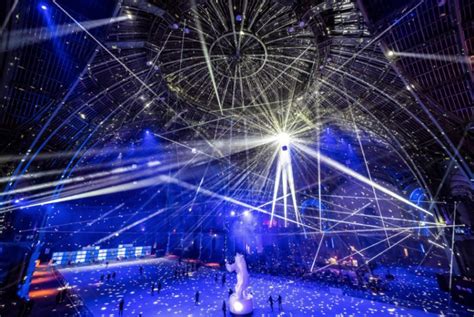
159	287
270	300
196	298
114	275
224	308
152	288
121	304
230	291
279	301
58	298
223	279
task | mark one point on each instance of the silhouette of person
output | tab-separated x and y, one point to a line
270	300
113	276
224	308
58	298
152	288
108	276
141	270
223	279
196	298
279	301
102	277
230	291
121	304
159	287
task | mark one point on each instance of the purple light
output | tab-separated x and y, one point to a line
238	18
238	306
302	24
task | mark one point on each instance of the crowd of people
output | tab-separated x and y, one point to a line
296	261
335	275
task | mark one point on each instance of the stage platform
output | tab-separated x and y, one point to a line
300	298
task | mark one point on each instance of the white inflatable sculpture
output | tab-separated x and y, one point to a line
240	303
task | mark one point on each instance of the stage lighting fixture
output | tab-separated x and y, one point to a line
390	53
43	7
284	140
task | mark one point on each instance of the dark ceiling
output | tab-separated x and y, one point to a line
330	59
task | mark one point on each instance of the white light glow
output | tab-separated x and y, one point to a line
283	138
238	306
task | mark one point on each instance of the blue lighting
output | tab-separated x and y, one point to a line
238	18
43	7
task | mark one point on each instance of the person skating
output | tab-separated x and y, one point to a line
196	297
224	308
223	279
270	300
279	301
121	304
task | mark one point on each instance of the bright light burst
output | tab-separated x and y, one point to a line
285	174
263	130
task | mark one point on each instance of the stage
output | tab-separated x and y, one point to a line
300	297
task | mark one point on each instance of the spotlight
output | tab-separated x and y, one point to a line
284	140
390	53
232	213
43	7
238	18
